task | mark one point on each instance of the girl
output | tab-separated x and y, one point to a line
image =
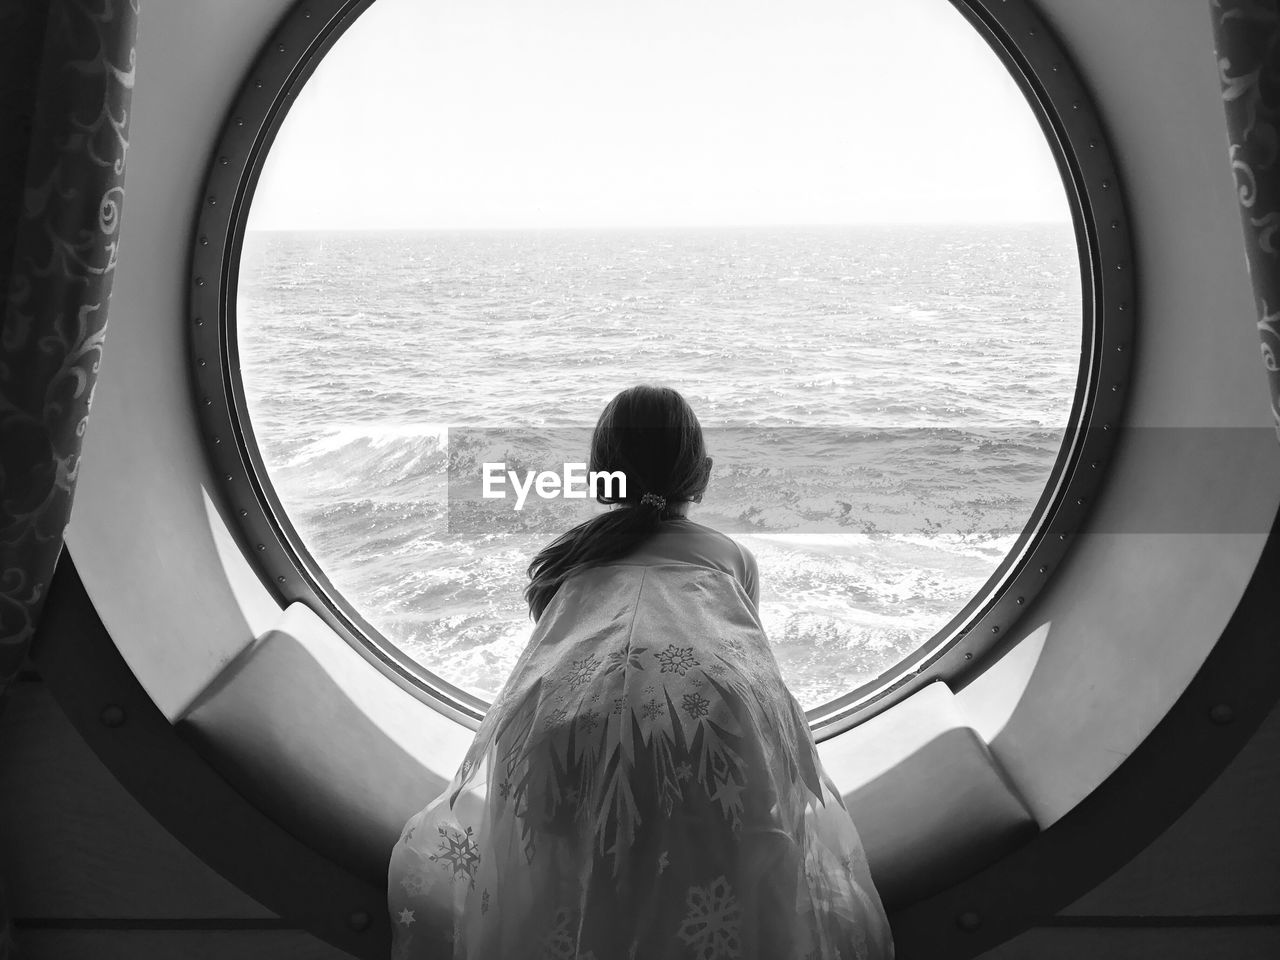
644	786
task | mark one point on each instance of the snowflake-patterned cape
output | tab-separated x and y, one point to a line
644	787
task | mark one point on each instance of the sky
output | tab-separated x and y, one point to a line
518	114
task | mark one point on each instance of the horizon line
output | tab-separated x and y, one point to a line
674	226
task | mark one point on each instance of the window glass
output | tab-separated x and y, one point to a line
836	228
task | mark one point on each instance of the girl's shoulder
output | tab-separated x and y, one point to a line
694	536
682	540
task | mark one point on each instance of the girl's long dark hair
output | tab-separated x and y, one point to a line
653	437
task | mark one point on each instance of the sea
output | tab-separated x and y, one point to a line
883	405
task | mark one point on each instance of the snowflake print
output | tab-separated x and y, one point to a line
406	916
484	901
556	717
418	885
582	671
677	660
559	944
711	925
460	851
728	794
504	788
588	721
695	705
628	657
653	709
618	704
683	771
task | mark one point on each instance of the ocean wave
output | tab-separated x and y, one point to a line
938	361
343	438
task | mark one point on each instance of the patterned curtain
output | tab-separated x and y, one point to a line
1248	44
66	77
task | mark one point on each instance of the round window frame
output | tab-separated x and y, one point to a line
245	496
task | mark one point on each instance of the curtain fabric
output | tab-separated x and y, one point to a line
1248	50
66	78
64	227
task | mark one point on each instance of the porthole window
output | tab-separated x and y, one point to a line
875	268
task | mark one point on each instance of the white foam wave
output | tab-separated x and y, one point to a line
374	436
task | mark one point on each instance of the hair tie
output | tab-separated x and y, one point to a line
653	500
